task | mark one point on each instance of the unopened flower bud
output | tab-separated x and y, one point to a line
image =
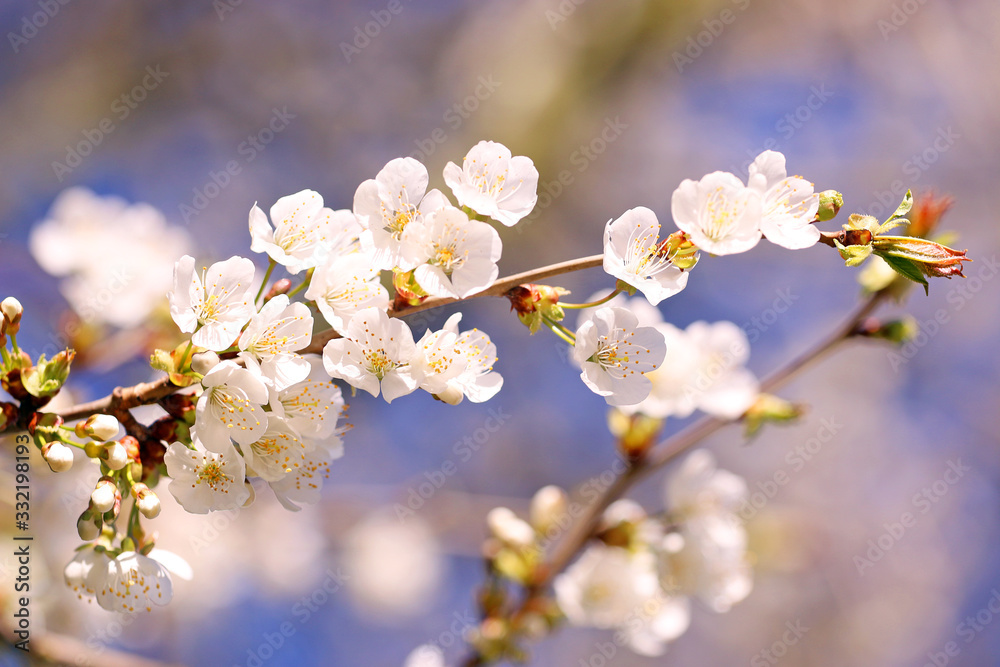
58	456
533	303
508	528
46	377
768	408
636	433
549	507
451	395
620	523
830	203
899	331
8	414
279	287
203	362
89	525
147	501
11	309
115	455
98	427
105	495
679	249
408	290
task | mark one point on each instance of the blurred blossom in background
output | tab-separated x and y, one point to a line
136	132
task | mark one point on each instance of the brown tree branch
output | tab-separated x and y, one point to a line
584	528
499	288
126	398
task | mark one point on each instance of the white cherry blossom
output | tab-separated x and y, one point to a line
303	483
312	407
472	351
426	655
373	355
494	183
303	233
344	286
392	207
789	203
203	481
86	572
720	214
462	254
706	555
216	305
230	407
634	254
114	258
277	453
134	582
273	337
606	586
709	560
615	355
437	360
697	486
703	369
663	619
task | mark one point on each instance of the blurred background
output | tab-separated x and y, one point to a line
200	109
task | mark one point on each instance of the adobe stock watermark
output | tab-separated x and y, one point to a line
225	7
302	611
900	15
121	108
796	459
759	324
923	502
886	201
971	627
364	34
454	116
773	654
460	625
31	24
790	123
562	12
698	43
463	450
580	159
958	297
246	152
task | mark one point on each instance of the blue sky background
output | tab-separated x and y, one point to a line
887	94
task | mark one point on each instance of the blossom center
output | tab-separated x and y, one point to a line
212	474
722	213
378	362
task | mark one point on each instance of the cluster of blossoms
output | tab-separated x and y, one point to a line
251	400
264	403
638	578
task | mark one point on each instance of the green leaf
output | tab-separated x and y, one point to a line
853	255
907	269
904	206
891	223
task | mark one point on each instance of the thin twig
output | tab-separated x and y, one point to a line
660	455
151	392
499	288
